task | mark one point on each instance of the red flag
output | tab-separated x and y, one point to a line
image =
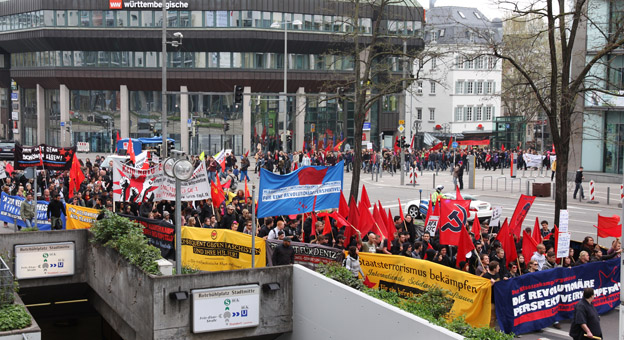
247	195
437	146
116	140
304	146
130	151
368	283
227	184
365	219
348	232
295	166
507	242
429	212
522	209
339	145
412	143
465	246
553	148
401	211
458	195
327	228
343	207
450	142
529	246
383	214
503	147
390	227
476	227
537	233
76	177
313	231
247	153
364	199
380	224
453	218
556	239
327	149
9	169
609	226
340	221
353	213
216	192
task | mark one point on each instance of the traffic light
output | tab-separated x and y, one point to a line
170	146
226	126
397	143
403	143
238	94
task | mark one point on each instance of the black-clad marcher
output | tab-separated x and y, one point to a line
586	322
284	253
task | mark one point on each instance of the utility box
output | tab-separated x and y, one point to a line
541	189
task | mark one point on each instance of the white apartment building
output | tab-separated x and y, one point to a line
460	86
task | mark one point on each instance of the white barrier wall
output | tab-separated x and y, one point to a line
326	309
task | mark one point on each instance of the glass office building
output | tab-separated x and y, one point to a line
84	71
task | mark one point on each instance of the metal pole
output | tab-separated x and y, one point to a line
178	227
35	194
163	57
285	85
401	160
608	194
253	226
434	181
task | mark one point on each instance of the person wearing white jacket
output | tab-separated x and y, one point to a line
352	262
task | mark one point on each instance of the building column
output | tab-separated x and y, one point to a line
65	134
247	120
124	110
41	116
184	118
300	113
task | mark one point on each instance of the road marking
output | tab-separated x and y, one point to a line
556	332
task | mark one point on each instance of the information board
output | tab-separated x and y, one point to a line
44	260
216	309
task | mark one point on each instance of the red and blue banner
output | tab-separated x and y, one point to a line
294	193
535	301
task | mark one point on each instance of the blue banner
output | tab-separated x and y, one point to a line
294	193
534	301
11	207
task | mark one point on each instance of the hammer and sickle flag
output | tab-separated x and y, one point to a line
453	217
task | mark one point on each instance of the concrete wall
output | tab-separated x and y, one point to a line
79	237
326	309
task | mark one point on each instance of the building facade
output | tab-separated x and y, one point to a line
459	90
83	71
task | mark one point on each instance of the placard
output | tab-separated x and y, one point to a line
563	244
432	225
44	260
564	217
496	215
14	115
216	309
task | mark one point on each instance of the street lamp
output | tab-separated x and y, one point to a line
180	168
163	59
277	24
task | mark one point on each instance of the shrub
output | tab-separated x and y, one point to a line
127	238
30	229
13	317
341	274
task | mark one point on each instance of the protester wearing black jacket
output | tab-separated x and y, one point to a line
284	254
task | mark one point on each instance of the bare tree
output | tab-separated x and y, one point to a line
567	80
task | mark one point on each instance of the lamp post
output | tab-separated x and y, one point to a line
163	59
180	168
277	24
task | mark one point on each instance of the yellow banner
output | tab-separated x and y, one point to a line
219	249
472	294
80	217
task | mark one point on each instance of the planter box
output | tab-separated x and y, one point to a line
31	333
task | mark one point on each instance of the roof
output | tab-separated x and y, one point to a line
455	24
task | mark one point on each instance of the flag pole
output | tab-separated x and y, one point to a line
253	226
518	262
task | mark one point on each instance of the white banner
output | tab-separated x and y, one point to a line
138	185
83	147
533	160
140	159
432	225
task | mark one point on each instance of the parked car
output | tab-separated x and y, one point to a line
7	150
418	209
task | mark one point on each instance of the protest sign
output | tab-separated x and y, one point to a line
11	207
160	234
47	156
220	249
471	294
307	254
80	217
432	225
534	301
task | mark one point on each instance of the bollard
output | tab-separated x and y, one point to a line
552	188
608	194
377	176
527	189
434	181
415	174
592	193
373	173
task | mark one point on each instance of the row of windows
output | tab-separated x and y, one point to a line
485	62
197	19
419	87
419	114
474	113
475	87
245	60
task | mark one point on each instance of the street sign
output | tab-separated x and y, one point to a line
401	122
189	122
62	124
14	96
312	127
401	128
367	126
455	145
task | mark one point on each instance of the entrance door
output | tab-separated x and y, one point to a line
614	151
